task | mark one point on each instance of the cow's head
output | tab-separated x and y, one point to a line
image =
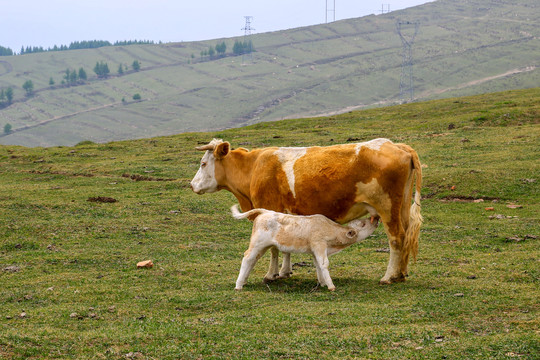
205	180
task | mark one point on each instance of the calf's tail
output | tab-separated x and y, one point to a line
238	215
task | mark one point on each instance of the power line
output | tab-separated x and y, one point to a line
332	11
248	45
406	86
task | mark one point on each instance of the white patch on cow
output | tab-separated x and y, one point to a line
287	157
205	179
374	144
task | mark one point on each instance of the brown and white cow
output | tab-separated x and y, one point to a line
341	182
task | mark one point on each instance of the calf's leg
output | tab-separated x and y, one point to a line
248	262
272	273
321	261
286	269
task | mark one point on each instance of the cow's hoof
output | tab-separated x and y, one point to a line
238	289
396	279
332	289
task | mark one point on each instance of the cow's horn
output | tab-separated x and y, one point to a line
206	147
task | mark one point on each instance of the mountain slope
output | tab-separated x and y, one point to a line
462	48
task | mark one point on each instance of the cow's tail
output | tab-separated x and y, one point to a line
415	217
238	215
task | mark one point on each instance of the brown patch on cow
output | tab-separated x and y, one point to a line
296	242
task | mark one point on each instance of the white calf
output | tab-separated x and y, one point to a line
315	234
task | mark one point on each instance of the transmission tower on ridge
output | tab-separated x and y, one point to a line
406	81
248	45
332	11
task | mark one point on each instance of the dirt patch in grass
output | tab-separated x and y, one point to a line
137	177
102	199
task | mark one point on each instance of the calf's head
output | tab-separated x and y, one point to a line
205	180
362	227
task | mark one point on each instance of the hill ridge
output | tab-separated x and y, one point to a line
298	72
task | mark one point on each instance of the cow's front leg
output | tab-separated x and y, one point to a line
286	269
272	273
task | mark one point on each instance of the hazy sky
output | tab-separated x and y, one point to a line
59	22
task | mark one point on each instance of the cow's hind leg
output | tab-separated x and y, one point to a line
396	238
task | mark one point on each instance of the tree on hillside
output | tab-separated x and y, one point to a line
9	95
120	69
7	128
241	48
28	86
221	49
136	65
82	74
73	77
211	52
238	48
101	69
51	81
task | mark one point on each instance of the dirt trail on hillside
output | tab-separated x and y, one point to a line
45	122
7	67
478	81
421	95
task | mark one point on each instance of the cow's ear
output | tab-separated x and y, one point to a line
222	150
351	234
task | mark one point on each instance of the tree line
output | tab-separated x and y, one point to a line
76	45
71	77
219	51
5	51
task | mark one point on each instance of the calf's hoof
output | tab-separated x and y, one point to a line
238	288
268	279
332	288
284	276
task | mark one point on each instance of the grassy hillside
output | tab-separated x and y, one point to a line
463	47
70	287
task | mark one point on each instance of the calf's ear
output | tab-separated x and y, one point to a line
351	234
222	150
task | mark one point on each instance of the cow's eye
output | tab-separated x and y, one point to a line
203	164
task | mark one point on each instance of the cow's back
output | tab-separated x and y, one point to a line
335	181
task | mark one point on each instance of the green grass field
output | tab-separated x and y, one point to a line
71	289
